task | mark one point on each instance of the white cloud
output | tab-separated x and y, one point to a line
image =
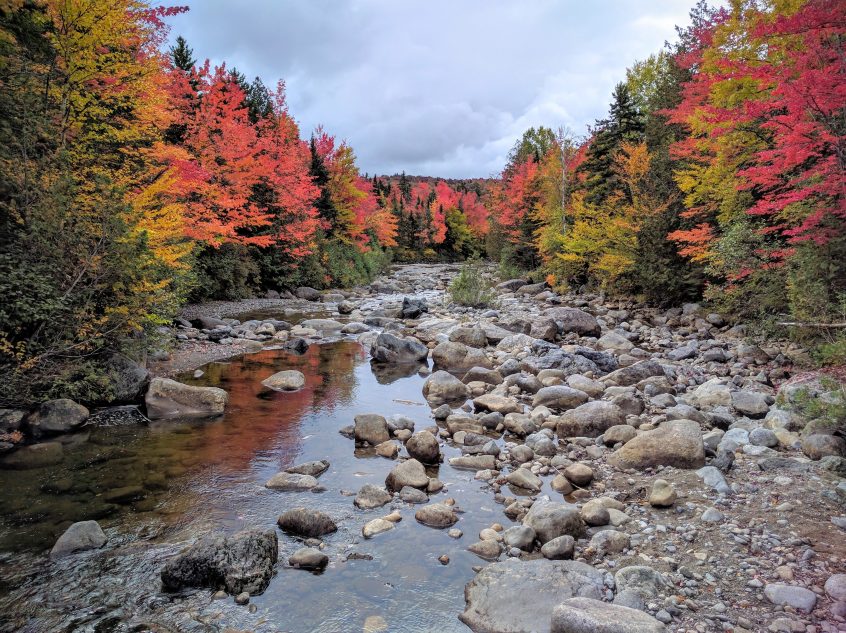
439	87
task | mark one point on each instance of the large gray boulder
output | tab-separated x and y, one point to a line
424	447
458	357
306	522
80	536
388	348
675	443
591	419
408	473
550	520
241	562
167	398
470	336
517	596
586	615
287	380
56	416
559	397
442	387
371	428
633	374
574	320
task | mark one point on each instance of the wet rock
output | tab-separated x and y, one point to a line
675	443
345	307
288	380
442	387
408	473
170	399
371	429
291	482
315	468
80	536
370	496
559	548
515	595
387	449
413	495
790	596
388	348
296	345
242	562
574	320
473	462
56	416
436	515
457	356
309	558
33	456
489	550
424	447
663	494
550	520
585	615
590	419
559	397
376	526
306	522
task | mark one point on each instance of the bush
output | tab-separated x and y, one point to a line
228	272
471	287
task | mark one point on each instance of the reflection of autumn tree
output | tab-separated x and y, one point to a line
259	420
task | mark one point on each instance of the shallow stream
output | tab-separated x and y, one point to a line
155	488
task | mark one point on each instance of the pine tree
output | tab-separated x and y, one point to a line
182	55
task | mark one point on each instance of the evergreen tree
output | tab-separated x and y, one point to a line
624	124
182	55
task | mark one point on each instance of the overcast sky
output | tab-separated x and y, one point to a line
440	88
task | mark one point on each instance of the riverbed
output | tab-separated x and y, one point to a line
155	488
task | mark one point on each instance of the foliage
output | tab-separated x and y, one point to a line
471	286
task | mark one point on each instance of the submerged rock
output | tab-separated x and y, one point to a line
306	522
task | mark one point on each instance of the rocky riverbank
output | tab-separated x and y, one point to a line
649	470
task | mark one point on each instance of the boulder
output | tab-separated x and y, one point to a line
370	496
636	372
376	526
675	443
288	380
240	563
170	399
309	558
819	445
560	548
371	429
517	596
436	515
618	434
590	419
291	482
497	404
550	520
56	416
412	308
469	336
489	550
473	462
614	341
442	387
315	468
525	479
586	615
480	374
791	596
388	348
306	522
424	447
712	393
750	403
574	320
663	494
643	580
408	473
458	357
80	536
309	294
559	397
128	378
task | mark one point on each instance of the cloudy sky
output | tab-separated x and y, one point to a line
441	87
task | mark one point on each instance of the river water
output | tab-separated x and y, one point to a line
155	488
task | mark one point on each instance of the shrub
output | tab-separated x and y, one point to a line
471	287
